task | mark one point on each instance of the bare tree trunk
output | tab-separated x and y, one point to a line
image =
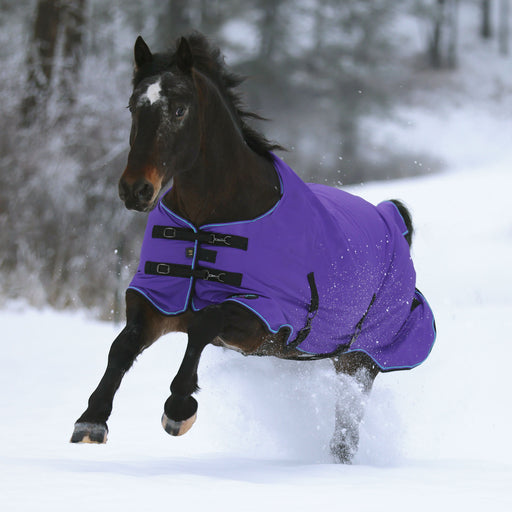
268	28
436	38
176	19
486	26
41	59
210	16
504	27
453	33
350	143
72	51
442	48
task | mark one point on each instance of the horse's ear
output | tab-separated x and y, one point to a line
142	53
184	58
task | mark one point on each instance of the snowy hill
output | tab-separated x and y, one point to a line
435	437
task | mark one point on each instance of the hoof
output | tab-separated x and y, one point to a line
177	428
342	453
89	433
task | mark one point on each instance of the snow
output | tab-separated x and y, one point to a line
434	437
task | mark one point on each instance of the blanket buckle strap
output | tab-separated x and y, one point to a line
312	311
207	275
215	239
203	237
169	232
187	272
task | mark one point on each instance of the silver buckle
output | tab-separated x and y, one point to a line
226	240
214	277
163	269
169	232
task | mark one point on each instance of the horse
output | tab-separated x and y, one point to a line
240	253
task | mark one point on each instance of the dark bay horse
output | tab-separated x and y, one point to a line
230	195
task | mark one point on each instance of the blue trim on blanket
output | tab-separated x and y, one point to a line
274	331
401	216
167	313
269	212
409	367
188	299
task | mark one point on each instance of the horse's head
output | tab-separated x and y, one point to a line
164	138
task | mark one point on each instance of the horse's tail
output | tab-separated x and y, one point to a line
406	215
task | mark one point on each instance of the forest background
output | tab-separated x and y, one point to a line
328	73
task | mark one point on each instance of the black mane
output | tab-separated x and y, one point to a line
209	60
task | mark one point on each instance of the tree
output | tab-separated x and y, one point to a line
345	74
57	31
504	27
73	20
442	44
316	67
269	28
41	58
485	25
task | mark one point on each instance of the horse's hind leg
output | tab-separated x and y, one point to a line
144	326
356	373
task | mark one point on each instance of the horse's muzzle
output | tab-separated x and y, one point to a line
138	195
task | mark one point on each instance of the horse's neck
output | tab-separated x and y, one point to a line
229	182
238	186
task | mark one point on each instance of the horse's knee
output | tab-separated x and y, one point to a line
202	329
126	347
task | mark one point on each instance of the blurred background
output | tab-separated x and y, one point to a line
356	90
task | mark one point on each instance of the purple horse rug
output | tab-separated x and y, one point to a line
331	269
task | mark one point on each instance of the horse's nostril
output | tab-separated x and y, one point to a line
143	191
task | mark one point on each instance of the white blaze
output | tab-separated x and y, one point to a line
153	92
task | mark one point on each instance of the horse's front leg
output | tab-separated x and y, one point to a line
180	408
356	375
144	326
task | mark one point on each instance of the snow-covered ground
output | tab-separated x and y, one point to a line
433	438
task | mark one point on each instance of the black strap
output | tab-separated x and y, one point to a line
303	333
312	311
415	302
205	237
185	271
202	254
357	331
315	301
172	233
359	325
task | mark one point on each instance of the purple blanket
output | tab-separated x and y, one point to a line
330	268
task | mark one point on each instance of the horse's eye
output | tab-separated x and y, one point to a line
180	112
